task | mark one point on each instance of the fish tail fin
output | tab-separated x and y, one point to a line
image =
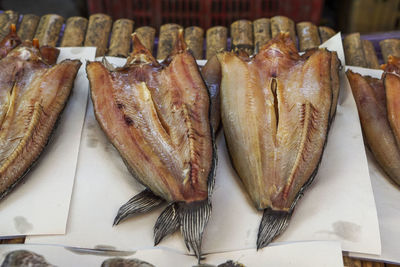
190	217
167	223
193	219
141	203
273	223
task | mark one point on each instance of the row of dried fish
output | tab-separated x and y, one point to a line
276	111
378	103
33	93
25	258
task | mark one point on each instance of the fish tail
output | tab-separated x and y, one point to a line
273	223
213	172
190	217
167	223
193	219
141	203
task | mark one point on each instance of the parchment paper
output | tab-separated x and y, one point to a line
338	206
40	204
302	254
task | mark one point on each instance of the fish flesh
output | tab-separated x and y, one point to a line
157	117
335	67
378	104
276	111
32	96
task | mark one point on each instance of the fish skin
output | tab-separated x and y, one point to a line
37	93
375	124
276	109
391	82
392	88
211	73
335	67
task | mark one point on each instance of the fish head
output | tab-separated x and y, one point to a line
140	54
9	42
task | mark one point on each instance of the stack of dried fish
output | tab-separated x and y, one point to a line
378	103
157	117
33	92
276	111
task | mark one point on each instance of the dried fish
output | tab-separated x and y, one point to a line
276	110
378	104
157	117
32	97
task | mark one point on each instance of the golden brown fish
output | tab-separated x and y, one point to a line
275	110
391	81
157	117
32	96
378	104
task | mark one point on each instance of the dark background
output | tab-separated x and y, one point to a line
341	15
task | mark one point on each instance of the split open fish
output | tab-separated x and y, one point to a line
276	110
33	94
378	104
157	117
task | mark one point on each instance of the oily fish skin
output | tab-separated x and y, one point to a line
392	88
371	104
32	96
275	113
391	81
157	116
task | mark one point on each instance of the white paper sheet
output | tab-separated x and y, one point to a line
40	204
338	206
387	198
302	254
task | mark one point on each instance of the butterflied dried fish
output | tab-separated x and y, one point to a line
276	109
378	104
24	258
32	96
157	117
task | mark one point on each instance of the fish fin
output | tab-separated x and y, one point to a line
213	172
109	66
193	218
167	223
141	203
273	223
